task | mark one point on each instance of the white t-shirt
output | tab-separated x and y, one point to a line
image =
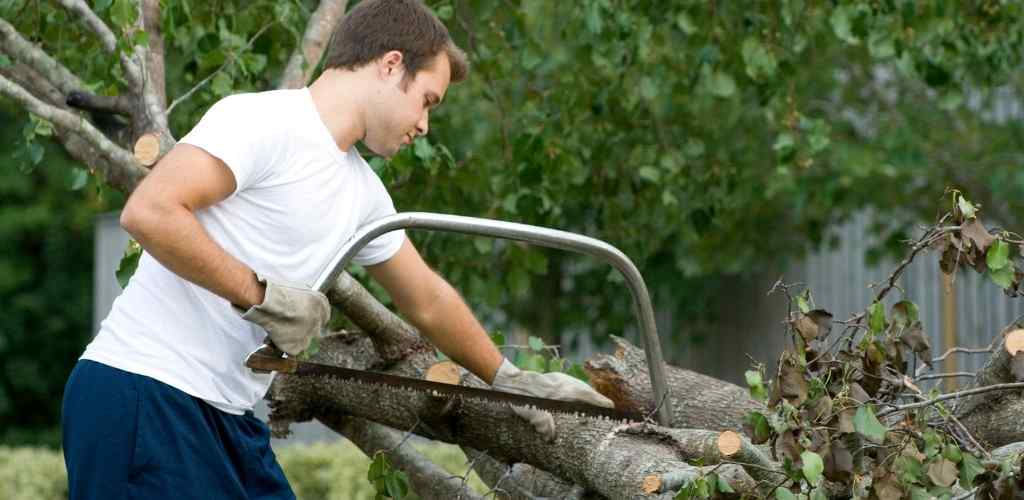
298	199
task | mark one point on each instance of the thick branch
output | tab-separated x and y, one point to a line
393	338
318	31
18	48
428	480
155	51
698	401
122	171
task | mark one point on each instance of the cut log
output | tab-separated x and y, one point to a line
147	149
445	372
729	443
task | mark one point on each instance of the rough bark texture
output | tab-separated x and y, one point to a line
698	401
314	41
994	419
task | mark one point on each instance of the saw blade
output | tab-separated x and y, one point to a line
292	366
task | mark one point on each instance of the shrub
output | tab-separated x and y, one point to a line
320	471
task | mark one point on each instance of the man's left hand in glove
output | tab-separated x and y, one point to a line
544	385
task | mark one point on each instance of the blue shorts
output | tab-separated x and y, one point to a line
130	436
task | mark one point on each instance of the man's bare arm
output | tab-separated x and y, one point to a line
159	215
437	310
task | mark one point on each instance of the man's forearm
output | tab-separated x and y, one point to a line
449	324
174	237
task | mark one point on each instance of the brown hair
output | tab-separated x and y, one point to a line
375	27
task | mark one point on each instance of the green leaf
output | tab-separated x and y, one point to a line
813	466
1003	277
35	152
100	5
784	494
756	385
535	363
998	255
952	453
867	425
536	344
685	23
951	100
876	317
445	12
129	262
757	427
556	365
396	485
78	179
141	38
909	469
842	24
784	142
4	61
378	467
970	467
221	84
723	485
722	84
576	370
124	13
649	173
759	61
881	43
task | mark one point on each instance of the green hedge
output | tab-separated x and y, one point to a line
316	472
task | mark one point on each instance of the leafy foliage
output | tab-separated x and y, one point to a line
825	419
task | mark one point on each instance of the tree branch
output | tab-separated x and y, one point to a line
428	480
318	32
953	395
154	57
17	47
102	31
122	171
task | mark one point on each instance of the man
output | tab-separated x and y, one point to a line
256	198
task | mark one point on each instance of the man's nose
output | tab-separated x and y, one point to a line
422	127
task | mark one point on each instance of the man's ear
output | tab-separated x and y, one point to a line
391	63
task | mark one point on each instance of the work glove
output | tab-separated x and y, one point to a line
291	315
552	385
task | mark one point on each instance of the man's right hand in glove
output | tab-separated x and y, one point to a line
290	314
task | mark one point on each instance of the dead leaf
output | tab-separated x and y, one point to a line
858	394
886	486
975	231
917	341
943	473
839	462
806	327
792	384
790	444
846	420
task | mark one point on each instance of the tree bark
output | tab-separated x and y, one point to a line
318	32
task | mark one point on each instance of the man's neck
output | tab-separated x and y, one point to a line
340	111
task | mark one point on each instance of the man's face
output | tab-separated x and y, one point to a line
402	108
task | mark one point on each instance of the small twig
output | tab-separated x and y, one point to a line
943	375
978	448
923	242
955	395
231	59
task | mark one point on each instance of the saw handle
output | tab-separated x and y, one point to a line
268	358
